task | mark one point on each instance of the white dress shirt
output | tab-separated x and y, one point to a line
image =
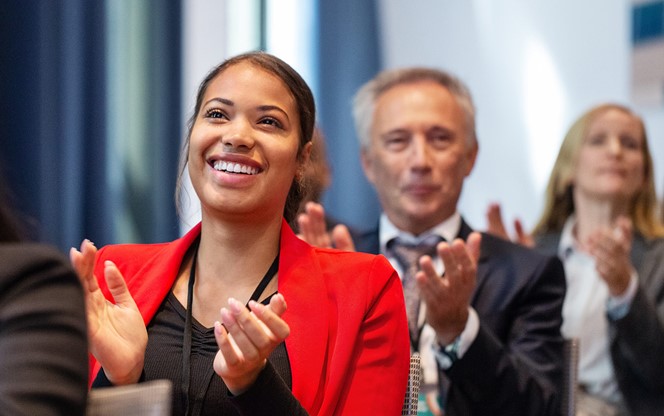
586	310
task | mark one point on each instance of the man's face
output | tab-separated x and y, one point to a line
419	155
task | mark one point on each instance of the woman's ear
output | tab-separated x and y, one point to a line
306	153
304	160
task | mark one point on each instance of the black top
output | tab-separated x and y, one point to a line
163	360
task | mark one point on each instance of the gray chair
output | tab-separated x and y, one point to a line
570	380
152	398
413	387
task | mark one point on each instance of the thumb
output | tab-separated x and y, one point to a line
278	304
473	244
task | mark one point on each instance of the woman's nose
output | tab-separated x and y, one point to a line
614	145
238	134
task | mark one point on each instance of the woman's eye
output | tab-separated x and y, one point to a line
630	143
271	122
596	140
214	113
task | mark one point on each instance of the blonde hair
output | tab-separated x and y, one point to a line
559	202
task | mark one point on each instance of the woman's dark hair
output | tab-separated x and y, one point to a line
304	101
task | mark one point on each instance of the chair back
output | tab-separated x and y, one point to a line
413	387
152	398
570	376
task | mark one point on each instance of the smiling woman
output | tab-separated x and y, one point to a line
247	133
328	351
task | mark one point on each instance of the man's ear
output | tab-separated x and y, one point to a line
471	157
367	165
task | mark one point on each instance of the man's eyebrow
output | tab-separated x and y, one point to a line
395	131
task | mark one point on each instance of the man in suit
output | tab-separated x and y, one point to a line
490	311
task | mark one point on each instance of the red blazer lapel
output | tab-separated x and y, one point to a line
150	289
307	315
150	280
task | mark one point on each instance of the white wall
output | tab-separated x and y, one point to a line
532	67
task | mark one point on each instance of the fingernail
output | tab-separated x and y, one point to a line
257	306
236	306
225	315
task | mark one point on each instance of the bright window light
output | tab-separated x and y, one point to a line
544	109
291	35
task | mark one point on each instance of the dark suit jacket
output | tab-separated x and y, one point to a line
514	366
637	340
43	338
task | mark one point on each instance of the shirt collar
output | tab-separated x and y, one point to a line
448	229
567	241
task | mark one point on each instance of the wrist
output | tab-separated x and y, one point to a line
454	329
447	354
132	377
618	287
455	348
240	384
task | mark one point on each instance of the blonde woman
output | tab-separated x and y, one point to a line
600	217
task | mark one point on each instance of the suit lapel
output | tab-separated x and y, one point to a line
482	268
367	242
639	247
645	263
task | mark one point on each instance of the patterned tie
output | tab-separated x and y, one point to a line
408	256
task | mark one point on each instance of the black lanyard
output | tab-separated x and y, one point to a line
186	346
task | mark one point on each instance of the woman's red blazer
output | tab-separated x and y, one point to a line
348	344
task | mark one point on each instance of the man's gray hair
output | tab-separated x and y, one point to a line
364	102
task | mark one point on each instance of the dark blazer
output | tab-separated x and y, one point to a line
515	365
43	337
637	339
